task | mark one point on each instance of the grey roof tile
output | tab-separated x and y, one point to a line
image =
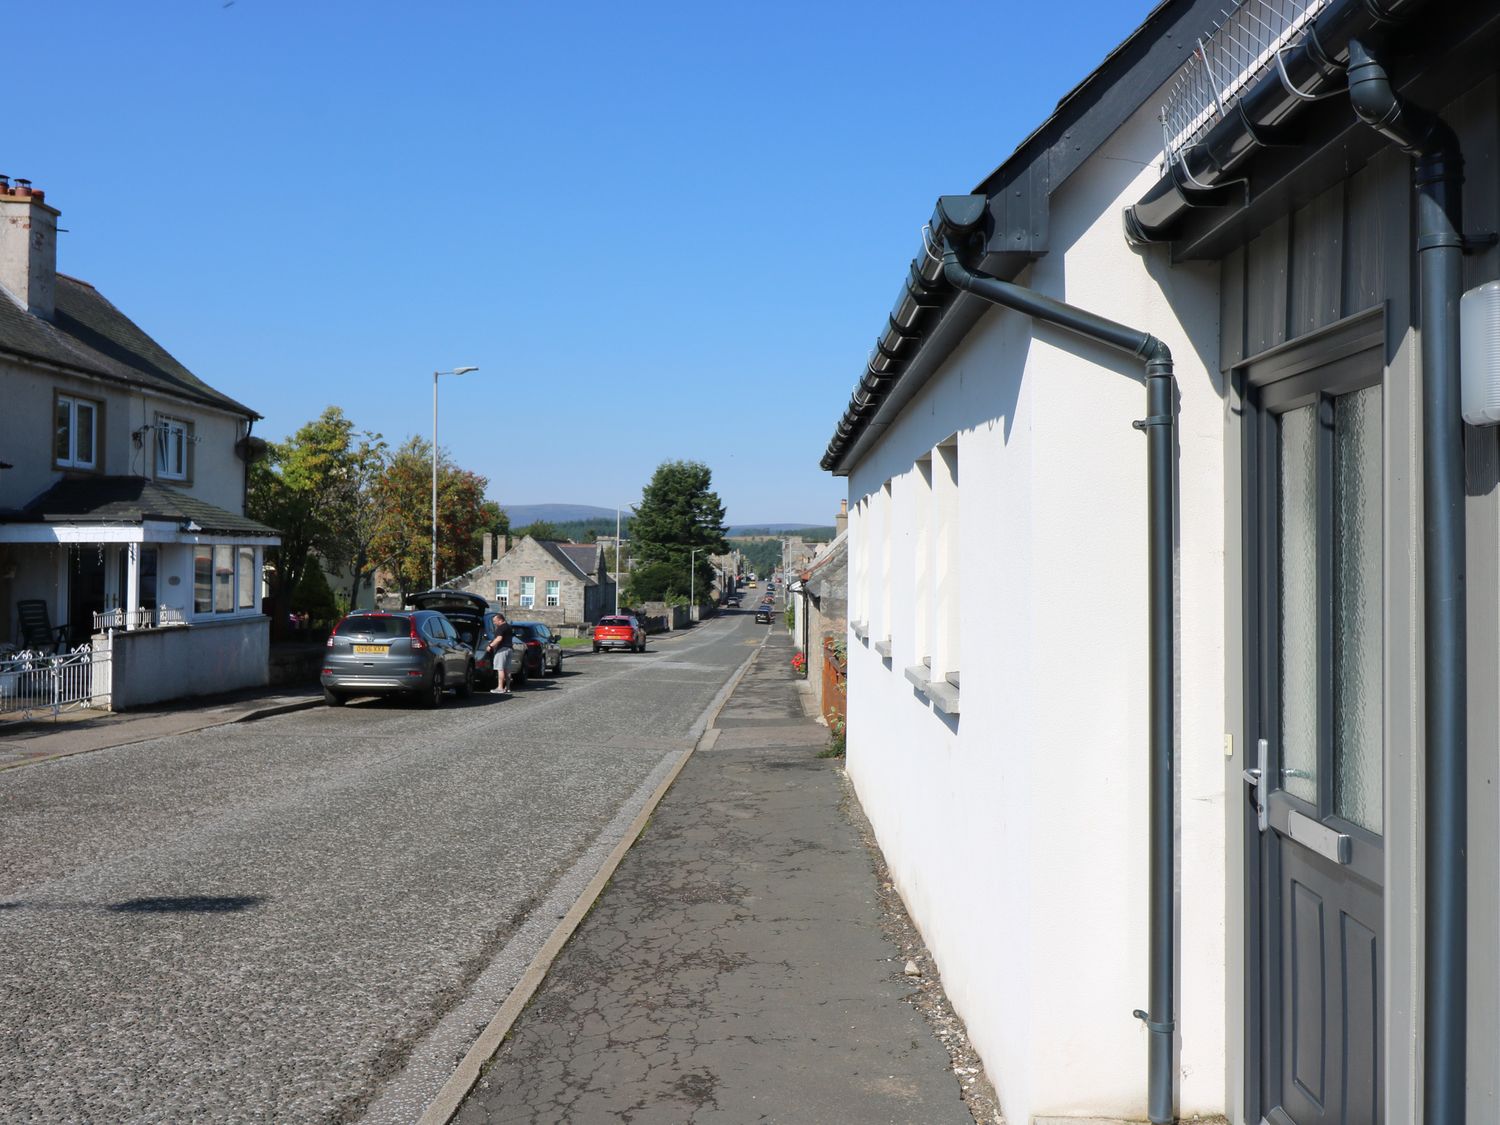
130	500
87	333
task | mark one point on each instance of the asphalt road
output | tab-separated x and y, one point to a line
309	918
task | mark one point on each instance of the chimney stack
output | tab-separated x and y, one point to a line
28	246
841	521
489	547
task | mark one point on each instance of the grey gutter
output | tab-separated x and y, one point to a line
1210	173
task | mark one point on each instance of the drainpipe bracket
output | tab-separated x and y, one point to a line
1167	1028
1154	420
1479	243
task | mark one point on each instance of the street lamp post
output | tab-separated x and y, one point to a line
435	374
692	584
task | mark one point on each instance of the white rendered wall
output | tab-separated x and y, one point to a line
1017	833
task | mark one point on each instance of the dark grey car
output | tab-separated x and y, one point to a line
412	652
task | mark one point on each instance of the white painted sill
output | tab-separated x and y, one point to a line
884	648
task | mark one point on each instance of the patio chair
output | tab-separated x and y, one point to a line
37	631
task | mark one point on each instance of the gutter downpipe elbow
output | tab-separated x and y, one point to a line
1160	426
1438	161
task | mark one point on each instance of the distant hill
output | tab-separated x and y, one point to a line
774	528
523	514
604	519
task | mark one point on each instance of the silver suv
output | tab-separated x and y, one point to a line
410	652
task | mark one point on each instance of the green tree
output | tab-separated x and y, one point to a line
678	513
542	529
310	488
402	539
314	597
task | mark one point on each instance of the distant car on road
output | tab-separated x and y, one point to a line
763	613
541	652
410	652
619	631
473	620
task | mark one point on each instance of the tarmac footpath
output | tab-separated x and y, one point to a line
734	969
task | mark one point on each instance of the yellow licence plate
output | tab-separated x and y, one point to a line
371	648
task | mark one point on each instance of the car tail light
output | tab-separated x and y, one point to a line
533	644
335	630
417	643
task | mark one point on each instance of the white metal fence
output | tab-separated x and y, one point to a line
31	682
138	618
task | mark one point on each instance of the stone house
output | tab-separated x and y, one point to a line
559	584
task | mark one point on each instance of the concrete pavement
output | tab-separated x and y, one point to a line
736	967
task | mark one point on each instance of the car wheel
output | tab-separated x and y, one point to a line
333	698
556	668
466	685
433	696
596	650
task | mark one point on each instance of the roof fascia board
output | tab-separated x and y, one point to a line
1092	111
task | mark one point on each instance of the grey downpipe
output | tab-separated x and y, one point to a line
1440	246
1159	424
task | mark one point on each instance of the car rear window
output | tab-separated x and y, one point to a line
617	622
382	625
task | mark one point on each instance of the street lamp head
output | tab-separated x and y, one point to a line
464	370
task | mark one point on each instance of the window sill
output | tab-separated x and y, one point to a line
884	648
944	697
943	694
861	630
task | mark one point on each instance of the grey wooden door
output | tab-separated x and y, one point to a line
1315	862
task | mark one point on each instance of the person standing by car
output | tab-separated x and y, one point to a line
495	650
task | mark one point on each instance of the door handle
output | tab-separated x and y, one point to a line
1255	777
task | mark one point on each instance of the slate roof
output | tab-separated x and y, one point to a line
132	500
87	333
560	552
584	556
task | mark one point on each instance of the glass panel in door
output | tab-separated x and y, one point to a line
1358	744
1297	506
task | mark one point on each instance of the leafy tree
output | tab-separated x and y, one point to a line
314	596
542	529
679	512
310	488
402	540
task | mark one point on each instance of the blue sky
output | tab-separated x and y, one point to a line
661	230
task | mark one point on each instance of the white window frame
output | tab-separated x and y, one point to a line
72	460
240	585
554	592
502	592
528	591
166	428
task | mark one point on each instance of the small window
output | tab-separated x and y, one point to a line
502	591
528	591
75	433
247	577
224	579
203	579
173	435
553	595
